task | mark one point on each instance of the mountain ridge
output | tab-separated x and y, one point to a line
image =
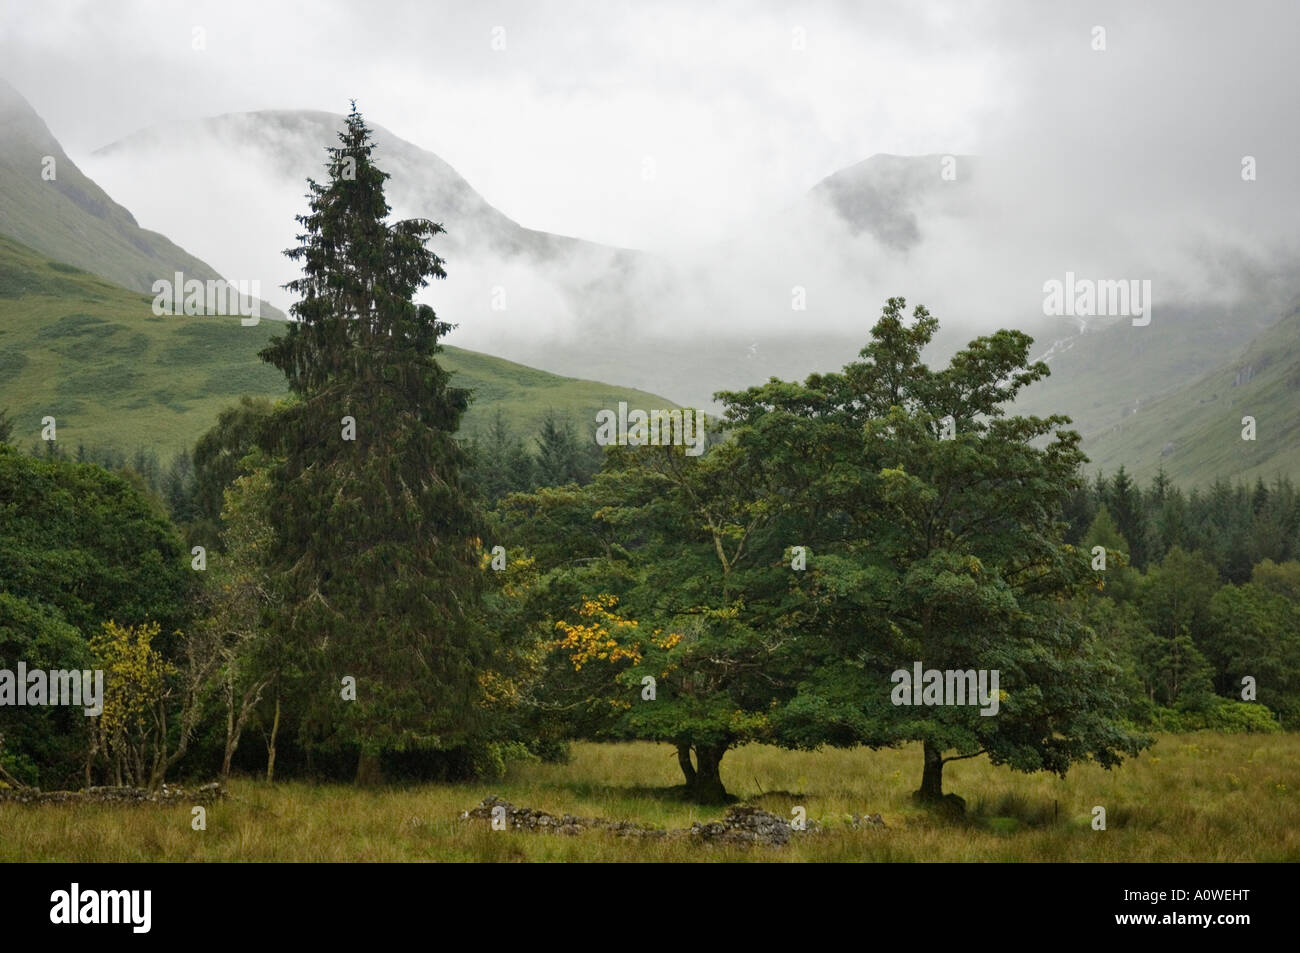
49	204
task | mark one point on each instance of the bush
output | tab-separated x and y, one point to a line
551	750
493	759
1224	716
1235	718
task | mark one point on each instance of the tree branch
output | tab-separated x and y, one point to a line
963	757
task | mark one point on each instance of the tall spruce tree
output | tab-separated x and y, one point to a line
558	453
377	537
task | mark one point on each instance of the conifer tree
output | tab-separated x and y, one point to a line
377	536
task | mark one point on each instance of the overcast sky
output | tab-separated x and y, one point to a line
555	129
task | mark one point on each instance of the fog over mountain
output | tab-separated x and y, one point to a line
653	196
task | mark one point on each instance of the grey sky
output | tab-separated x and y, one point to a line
555	128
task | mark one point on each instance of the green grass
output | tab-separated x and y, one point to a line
1194	797
112	374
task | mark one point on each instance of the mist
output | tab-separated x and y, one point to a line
685	151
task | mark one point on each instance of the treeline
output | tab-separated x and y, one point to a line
502	461
172	482
1202	614
1234	526
1203	604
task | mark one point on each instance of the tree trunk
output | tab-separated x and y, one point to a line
684	759
368	773
235	728
931	792
92	750
270	748
707	787
932	779
230	729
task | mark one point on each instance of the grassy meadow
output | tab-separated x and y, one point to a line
1193	797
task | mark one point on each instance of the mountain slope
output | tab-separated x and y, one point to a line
1101	377
282	148
71	219
1195	433
94	356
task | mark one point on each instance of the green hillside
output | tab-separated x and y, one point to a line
1103	377
1195	432
112	374
69	218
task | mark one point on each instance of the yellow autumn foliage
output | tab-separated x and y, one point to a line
135	674
605	637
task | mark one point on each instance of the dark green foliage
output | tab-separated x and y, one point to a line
78	546
219	458
1234	527
950	553
89	544
1124	500
503	463
491	455
560	456
42	746
1256	634
376	539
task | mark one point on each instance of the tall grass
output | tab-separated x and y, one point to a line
1194	797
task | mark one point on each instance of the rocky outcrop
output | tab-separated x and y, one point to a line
741	826
167	794
867	821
